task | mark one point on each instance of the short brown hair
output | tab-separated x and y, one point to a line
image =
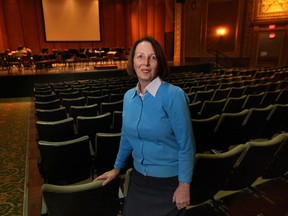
163	68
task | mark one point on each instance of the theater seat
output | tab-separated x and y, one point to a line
85	199
257	155
210	174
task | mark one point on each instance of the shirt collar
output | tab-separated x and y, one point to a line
152	88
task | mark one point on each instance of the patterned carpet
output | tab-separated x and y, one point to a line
14	128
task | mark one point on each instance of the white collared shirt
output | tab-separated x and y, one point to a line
152	88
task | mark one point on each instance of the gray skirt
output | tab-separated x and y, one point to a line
150	196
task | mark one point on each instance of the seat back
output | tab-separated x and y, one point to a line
89	110
106	149
210	173
253	101
251	165
97	99
111	106
204	95
51	114
85	199
66	162
282	97
48	104
116	97
211	108
91	92
269	98
117	121
234	104
279	165
56	130
195	108
203	130
220	94
254	123
251	89
236	91
228	130
277	120
68	102
72	94
45	97
91	125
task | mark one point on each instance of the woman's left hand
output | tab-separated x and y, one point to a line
181	196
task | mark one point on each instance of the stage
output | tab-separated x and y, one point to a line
20	83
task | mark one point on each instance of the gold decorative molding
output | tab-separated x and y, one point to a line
177	33
270	10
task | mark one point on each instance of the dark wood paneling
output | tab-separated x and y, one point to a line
122	22
222	14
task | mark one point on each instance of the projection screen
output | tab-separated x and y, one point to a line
71	20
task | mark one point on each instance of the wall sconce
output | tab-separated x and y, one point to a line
221	32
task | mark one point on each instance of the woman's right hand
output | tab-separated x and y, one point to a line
108	176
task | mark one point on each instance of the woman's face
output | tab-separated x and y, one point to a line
145	63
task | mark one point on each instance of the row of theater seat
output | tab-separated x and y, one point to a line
235	159
222	130
203	106
238	168
234	170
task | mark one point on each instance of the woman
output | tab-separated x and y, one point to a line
157	131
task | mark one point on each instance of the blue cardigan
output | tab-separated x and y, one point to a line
158	132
